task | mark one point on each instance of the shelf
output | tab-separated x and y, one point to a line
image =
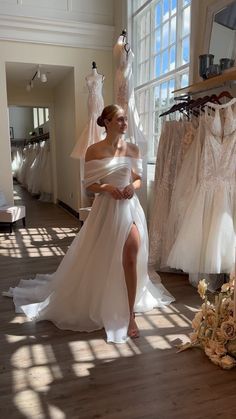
210	83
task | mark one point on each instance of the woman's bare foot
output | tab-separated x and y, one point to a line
133	331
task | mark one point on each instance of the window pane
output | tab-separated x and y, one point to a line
157	66
186	21
173	7
186	2
158	14
157	40
156	122
157	96
142	50
147	48
137	4
35	117
165	61
173	30
172	58
143	69
141	102
171	88
164	94
165	35
184	80
143	26
185	50
41	116
46	114
146	71
165	10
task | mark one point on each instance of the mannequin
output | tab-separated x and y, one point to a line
91	133
94	75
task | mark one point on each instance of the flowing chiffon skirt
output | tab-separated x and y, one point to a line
88	290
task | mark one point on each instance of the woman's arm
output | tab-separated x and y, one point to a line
129	190
115	192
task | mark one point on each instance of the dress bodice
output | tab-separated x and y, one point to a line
112	170
219	146
95	98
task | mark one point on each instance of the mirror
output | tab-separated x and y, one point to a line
223	35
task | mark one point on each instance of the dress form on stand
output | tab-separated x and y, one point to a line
91	133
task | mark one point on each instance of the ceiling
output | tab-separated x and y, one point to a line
20	74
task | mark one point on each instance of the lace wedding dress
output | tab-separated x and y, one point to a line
88	290
124	92
92	133
206	238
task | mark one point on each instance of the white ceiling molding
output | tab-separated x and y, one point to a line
56	32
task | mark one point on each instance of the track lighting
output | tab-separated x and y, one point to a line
40	76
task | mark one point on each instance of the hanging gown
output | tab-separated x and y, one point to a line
206	238
124	92
88	290
92	133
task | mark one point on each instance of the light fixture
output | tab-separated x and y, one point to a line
43	78
40	76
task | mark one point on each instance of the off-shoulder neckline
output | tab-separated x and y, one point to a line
114	157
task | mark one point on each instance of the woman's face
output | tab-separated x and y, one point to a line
118	124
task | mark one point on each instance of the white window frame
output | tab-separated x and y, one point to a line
151	82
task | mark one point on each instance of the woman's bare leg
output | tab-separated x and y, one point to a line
130	253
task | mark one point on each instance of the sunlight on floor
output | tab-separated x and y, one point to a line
36	242
36	369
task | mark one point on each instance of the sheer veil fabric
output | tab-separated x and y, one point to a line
88	290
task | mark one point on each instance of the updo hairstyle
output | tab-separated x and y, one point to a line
107	114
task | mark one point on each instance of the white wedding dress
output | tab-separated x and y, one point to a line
91	133
88	290
206	237
124	92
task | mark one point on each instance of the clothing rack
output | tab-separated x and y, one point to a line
38	138
190	106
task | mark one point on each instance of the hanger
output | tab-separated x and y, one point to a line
174	108
225	93
126	44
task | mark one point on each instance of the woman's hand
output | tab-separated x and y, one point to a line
115	192
128	191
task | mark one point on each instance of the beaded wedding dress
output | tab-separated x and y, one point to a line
206	237
88	290
92	133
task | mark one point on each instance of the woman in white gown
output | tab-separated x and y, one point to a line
103	279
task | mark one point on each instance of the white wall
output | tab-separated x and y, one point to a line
91	11
64	99
77	58
21	119
6	184
78	23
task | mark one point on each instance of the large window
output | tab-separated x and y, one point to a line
161	39
40	116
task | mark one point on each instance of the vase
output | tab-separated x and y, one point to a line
205	61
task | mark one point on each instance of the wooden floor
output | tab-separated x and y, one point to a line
49	373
